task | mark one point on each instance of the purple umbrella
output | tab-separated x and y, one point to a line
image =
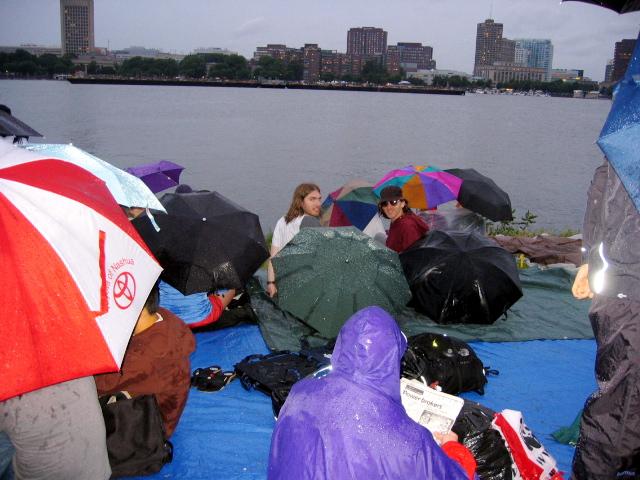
158	175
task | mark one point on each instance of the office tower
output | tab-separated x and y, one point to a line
521	56
608	71
410	56
540	54
421	55
488	44
621	56
311	62
76	26
368	41
507	53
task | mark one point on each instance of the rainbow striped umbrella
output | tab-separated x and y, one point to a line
352	204
423	186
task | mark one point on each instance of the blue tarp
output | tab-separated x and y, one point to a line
227	434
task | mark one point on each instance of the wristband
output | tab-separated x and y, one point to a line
271	282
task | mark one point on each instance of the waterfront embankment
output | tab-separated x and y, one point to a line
272	85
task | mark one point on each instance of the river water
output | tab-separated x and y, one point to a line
255	145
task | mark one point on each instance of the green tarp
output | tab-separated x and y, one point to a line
547	310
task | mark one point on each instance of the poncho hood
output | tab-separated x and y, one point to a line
369	350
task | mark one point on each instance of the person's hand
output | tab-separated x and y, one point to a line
443	438
580	288
272	290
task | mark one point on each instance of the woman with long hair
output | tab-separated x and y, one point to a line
406	227
306	202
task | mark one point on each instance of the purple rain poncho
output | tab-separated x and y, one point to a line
351	423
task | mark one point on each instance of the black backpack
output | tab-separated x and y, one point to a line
448	361
275	373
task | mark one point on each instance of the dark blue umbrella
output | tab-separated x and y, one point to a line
620	136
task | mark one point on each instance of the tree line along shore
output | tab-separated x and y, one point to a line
236	70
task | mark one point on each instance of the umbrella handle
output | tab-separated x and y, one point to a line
152	220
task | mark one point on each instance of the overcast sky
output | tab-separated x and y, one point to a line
583	35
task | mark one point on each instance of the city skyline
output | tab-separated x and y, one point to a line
583	35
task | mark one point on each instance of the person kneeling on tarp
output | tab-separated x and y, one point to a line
351	423
156	362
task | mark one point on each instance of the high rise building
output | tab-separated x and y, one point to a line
312	62
621	56
368	41
76	26
608	71
540	54
521	56
507	53
488	44
410	56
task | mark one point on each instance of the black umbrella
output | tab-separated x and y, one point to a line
480	194
10	126
620	6
461	277
204	242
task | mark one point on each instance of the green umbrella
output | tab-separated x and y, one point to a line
325	275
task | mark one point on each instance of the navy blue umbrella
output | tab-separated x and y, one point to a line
620	136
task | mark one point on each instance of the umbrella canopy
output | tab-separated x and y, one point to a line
620	136
423	186
620	6
75	273
460	277
325	275
158	175
204	242
482	195
10	126
127	189
353	204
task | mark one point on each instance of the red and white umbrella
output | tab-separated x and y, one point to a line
75	273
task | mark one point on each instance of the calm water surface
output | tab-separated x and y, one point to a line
255	145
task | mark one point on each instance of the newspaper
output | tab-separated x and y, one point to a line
432	409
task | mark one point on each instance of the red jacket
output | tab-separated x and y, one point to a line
405	231
461	454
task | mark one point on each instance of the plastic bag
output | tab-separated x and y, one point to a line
473	427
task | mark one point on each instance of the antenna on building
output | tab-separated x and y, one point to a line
491	10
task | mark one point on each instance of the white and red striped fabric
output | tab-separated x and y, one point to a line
74	273
531	461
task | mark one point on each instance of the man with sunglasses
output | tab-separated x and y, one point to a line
406	227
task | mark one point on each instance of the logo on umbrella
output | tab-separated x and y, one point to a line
124	290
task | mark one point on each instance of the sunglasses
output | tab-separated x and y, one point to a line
384	203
